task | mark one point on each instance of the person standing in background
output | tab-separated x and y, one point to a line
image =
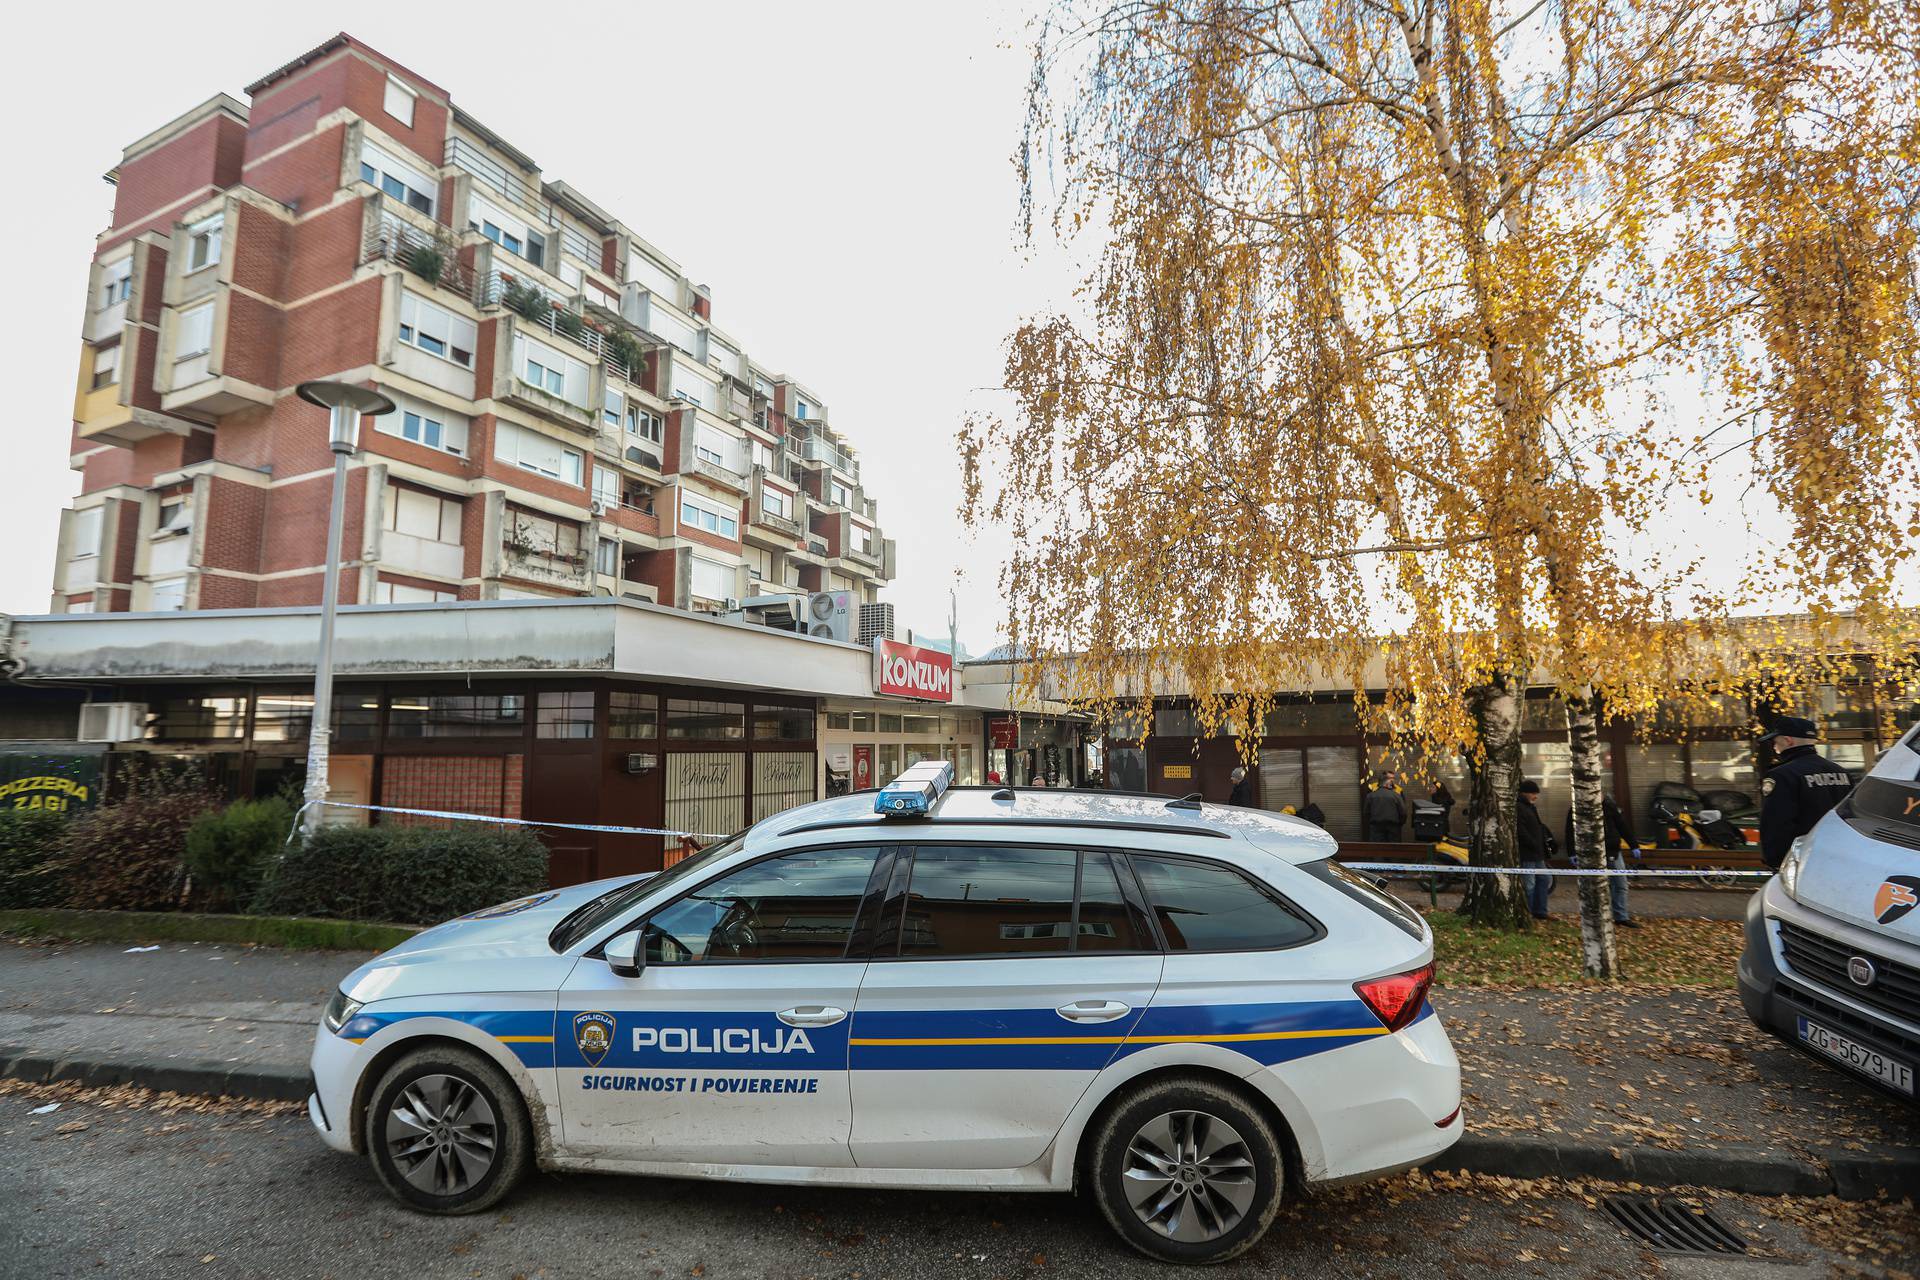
1618	838
1385	811
1533	845
1242	793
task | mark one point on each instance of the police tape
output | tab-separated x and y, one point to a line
1454	869
517	822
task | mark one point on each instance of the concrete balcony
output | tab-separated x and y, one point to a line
726	477
572	570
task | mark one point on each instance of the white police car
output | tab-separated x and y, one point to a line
1832	958
1178	1007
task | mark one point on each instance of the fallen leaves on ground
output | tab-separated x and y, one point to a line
1668	952
111	1097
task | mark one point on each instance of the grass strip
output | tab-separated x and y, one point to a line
1664	952
181	926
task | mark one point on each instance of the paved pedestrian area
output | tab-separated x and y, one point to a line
109	1187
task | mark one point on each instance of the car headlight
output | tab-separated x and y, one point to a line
1790	867
339	1012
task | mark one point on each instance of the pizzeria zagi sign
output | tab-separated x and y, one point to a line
909	671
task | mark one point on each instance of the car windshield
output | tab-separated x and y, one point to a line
590	916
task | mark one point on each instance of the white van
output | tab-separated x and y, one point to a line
1832	961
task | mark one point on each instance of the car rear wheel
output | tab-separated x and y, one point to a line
447	1131
1187	1171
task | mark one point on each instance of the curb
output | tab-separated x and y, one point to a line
165	1075
1764	1173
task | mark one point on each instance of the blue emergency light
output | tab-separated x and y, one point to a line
911	795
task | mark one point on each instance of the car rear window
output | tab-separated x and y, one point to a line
1367	894
1207	907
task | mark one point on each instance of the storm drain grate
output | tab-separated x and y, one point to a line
1673	1227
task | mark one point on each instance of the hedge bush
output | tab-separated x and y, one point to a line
406	874
228	852
29	844
127	856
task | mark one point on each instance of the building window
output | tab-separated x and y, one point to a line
762	454
83	534
775	502
419	514
116	282
433	715
564	715
606	556
712	580
862	539
697	513
402	182
405	593
203	243
717	447
633	716
842	495
691	719
760	563
606	485
399	101
552	372
106	367
204	719
176	514
642	423
612	407
425	424
194	332
167	595
800	408
531	451
436	331
782	724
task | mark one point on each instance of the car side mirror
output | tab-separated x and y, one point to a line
624	954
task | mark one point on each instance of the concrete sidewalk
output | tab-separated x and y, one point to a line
1660	1086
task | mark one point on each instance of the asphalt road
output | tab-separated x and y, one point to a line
138	1191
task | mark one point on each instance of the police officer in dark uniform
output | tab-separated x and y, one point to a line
1799	790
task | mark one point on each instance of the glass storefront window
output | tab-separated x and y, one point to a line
689	719
838	720
920	724
206	719
564	714
889	767
1328	718
633	715
459	715
884	723
860	721
782	724
1126	769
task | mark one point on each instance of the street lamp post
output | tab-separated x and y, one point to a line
345	404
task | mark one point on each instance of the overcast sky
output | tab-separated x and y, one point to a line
838	173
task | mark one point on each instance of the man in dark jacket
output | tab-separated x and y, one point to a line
1799	790
1533	845
1385	811
1242	793
1618	840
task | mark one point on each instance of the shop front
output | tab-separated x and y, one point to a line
867	742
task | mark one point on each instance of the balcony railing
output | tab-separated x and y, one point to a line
430	257
464	155
556	318
815	449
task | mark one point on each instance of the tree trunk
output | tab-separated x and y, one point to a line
1597	956
1497	901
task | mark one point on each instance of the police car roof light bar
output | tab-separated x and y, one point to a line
912	794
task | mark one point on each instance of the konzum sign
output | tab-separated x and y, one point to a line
908	671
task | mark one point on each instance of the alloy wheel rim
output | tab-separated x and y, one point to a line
441	1134
1189	1176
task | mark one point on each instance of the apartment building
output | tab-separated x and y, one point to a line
571	419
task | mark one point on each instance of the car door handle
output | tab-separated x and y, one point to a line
811	1015
1093	1010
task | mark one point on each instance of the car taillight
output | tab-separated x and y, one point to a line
1396	999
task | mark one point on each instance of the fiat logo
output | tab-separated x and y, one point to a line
1861	970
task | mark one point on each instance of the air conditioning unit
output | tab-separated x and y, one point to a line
598	506
830	615
876	622
113	721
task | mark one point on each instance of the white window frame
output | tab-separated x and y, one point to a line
709	516
841	495
157	602
79	545
424	325
417	190
551	370
204	241
174	516
606	556
447	519
399	100
188	340
106	360
644	423
714	567
390	593
507	438
612	407
116	282
606	485
704	439
776	502
427	425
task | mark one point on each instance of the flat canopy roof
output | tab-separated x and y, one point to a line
596	636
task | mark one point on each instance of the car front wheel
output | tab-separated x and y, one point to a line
447	1131
1187	1171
